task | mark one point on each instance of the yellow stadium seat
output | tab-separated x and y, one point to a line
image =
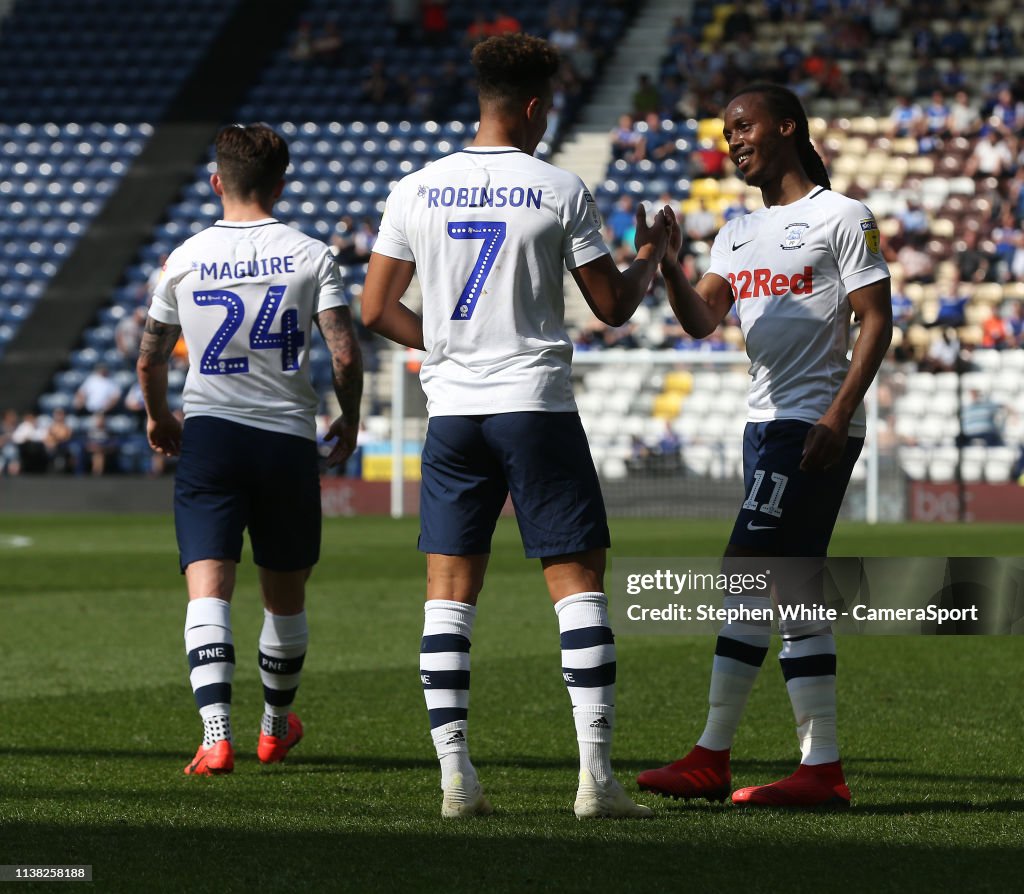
679	381
704	188
667	406
710	129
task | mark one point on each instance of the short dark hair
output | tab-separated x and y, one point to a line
784	103
251	160
514	67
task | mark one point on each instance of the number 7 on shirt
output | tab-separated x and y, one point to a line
492	232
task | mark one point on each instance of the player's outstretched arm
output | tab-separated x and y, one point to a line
614	295
387	279
162	427
699	308
347	376
826	440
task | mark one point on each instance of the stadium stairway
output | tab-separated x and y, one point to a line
87	277
639	52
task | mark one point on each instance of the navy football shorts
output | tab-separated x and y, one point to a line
788	512
231	477
470	465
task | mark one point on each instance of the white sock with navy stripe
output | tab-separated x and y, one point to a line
283	642
809	666
739	653
211	661
588	668
444	673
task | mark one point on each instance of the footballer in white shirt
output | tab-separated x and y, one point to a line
245	293
488	230
796	271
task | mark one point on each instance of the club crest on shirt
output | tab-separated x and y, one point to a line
794	236
871	237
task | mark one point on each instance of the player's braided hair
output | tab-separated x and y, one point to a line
251	160
514	67
784	103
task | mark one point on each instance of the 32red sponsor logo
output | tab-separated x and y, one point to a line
761	281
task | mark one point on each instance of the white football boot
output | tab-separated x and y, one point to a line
608	801
462	800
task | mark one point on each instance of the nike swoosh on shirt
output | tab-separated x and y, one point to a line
735	246
752	527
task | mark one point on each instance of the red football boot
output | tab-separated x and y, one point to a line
271	749
812	785
216	760
701	774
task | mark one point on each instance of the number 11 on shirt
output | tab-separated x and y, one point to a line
492	232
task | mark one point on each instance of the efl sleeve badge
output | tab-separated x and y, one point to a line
871	237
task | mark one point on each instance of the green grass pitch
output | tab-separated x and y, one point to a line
97	722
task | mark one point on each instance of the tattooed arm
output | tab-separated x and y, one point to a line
347	374
162	428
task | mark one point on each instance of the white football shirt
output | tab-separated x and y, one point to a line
245	295
489	230
791	268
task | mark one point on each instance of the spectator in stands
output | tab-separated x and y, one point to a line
58	443
981	421
789	57
914	219
10	463
701	223
302	47
128	333
1016	271
973	263
672	95
621	223
708	159
505	23
922	39
434	21
964	119
917	264
952	309
328	44
403	15
1014	315
29	437
903	310
905	118
994	333
379	87
98	394
645	97
738	23
943	354
885	19
998	40
100	445
625	140
478	29
563	35
1007	115
422	100
935	119
583	59
991	156
927	78
955	43
656	144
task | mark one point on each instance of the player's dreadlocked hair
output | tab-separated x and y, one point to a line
512	68
783	103
251	160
